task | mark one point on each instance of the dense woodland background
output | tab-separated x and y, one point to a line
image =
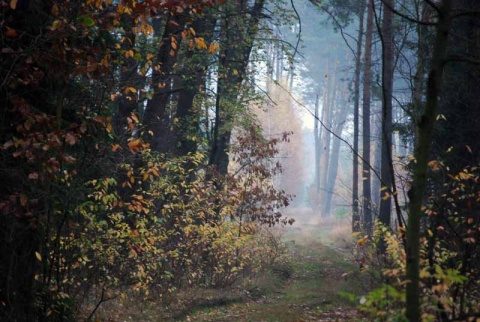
149	146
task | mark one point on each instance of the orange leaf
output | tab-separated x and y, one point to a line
433	165
23	200
211	48
55	10
115	147
10	32
135	144
13	4
129	53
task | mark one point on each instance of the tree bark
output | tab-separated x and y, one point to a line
367	87
194	83
425	128
239	30
325	141
157	113
339	124
356	107
316	135
387	93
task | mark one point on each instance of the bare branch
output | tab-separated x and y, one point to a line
465	13
299	28
463	59
339	25
398	13
433	5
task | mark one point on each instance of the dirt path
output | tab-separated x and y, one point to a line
321	271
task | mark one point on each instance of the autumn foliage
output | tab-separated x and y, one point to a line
93	206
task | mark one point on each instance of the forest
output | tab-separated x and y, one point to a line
239	160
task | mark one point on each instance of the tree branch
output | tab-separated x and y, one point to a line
299	29
404	16
460	58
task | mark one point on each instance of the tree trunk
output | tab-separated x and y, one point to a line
316	135
387	93
425	127
157	113
335	154
325	143
239	30
187	113
356	107
124	102
367	85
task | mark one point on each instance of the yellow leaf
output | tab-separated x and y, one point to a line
13	4
155	172
464	176
424	273
200	42
362	241
38	256
386	196
130	90
135	118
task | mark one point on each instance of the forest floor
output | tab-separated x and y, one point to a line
322	270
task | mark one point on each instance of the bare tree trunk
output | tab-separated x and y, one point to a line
339	124
356	107
425	127
367	87
325	143
239	30
387	93
316	135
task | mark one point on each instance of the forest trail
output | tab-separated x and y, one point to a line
322	269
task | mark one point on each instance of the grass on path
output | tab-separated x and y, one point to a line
323	269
